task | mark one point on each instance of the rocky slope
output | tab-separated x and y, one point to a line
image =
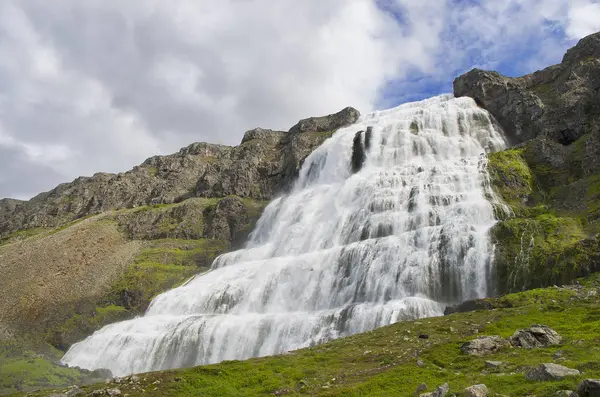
550	178
263	165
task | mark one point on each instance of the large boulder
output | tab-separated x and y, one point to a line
550	371
537	336
561	102
484	345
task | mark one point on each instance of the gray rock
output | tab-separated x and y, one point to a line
566	393
113	392
476	391
330	122
484	345
75	391
589	388
494	364
537	336
422	387
439	392
559	102
550	371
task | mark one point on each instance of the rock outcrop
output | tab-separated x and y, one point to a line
263	165
550	371
537	336
561	102
484	345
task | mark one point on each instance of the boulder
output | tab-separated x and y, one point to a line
476	391
330	122
550	371
589	388
494	364
484	345
537	336
439	392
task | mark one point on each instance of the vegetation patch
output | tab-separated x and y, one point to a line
394	360
551	238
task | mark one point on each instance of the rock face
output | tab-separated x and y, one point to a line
561	102
551	371
484	345
264	164
537	336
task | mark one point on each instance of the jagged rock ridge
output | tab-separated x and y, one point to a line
263	165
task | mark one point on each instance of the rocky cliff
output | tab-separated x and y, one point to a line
264	164
550	178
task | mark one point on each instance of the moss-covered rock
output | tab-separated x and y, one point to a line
550	239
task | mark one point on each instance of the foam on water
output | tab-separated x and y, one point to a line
342	253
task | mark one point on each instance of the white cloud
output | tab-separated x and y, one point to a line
100	85
583	18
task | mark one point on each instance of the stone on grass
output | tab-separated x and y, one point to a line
439	392
550	371
476	391
484	345
537	336
494	364
566	393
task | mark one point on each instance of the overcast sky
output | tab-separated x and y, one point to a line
100	85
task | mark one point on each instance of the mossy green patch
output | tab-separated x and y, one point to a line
534	252
511	179
384	362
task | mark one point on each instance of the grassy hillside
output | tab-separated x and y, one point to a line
395	360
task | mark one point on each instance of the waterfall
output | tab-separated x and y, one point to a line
396	232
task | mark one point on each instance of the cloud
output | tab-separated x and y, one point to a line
99	85
583	18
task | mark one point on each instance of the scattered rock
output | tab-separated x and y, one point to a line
550	371
537	336
420	363
484	345
439	392
566	393
113	392
74	391
494	364
423	336
476	391
589	388
422	387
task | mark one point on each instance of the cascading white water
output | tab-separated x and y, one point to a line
342	253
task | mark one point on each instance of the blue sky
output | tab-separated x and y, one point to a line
100	85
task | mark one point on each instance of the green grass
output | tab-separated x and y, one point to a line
384	362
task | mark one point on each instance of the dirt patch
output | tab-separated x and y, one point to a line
43	273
